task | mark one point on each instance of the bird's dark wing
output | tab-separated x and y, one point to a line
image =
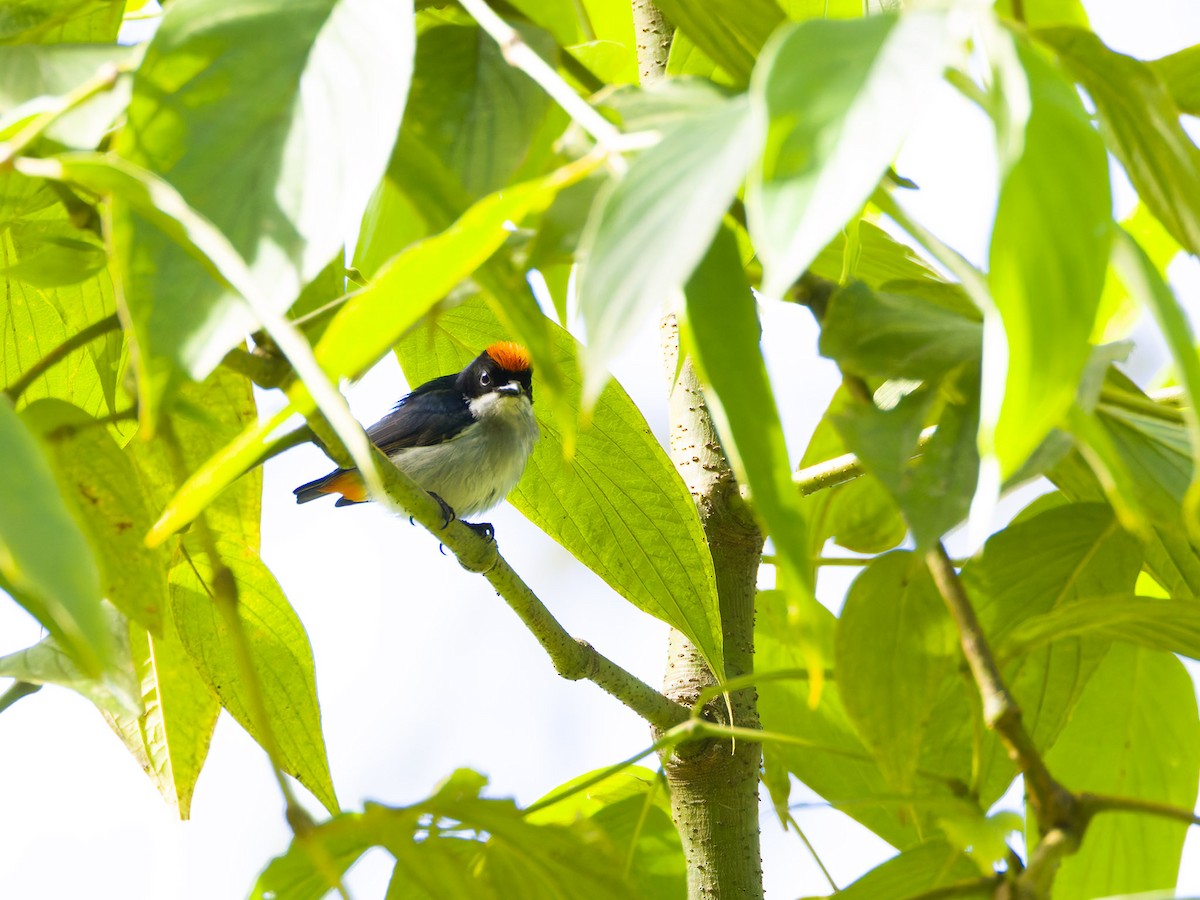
434	412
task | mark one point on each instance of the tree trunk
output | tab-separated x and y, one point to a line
714	785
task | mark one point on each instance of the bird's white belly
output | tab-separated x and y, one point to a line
475	470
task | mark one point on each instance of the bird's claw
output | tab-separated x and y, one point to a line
448	514
483	529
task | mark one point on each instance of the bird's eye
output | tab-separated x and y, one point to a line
484	379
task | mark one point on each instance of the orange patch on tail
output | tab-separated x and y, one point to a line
349	485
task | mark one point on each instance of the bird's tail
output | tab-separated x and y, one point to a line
346	482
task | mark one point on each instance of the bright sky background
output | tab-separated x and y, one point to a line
422	669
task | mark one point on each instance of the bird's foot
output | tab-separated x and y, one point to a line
448	515
483	529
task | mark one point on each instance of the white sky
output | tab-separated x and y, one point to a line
421	668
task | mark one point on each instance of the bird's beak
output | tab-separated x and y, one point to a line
513	387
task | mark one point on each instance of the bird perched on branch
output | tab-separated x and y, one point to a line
464	437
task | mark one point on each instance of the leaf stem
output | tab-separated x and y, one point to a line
103	80
841	469
812	851
80	339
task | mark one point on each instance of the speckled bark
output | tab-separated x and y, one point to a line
714	786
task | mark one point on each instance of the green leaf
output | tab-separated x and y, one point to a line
107	495
839	97
32	77
632	810
618	505
1180	75
1144	281
1040	13
471	108
859	515
1140	124
278	646
934	489
60	21
1037	565
828	754
113	691
517	859
1135	733
725	335
169	736
895	647
46	563
1045	273
368	324
263	165
730	32
922	869
908	336
652	230
1170	625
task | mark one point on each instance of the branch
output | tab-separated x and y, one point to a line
1053	805
573	659
1091	804
842	469
59	353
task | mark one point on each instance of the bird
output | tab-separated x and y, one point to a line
464	437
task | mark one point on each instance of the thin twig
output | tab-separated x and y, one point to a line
1053	805
521	56
812	851
104	80
1092	804
80	339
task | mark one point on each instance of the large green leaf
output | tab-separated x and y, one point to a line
725	335
113	691
826	753
1040	13
839	97
60	21
729	32
908	336
654	227
1046	273
470	107
1135	733
933	490
618	505
279	649
169	736
46	562
895	647
1140	123
106	493
264	165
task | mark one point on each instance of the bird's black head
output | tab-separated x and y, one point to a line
495	369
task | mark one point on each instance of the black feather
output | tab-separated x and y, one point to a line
434	412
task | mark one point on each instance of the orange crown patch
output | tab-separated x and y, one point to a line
509	356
